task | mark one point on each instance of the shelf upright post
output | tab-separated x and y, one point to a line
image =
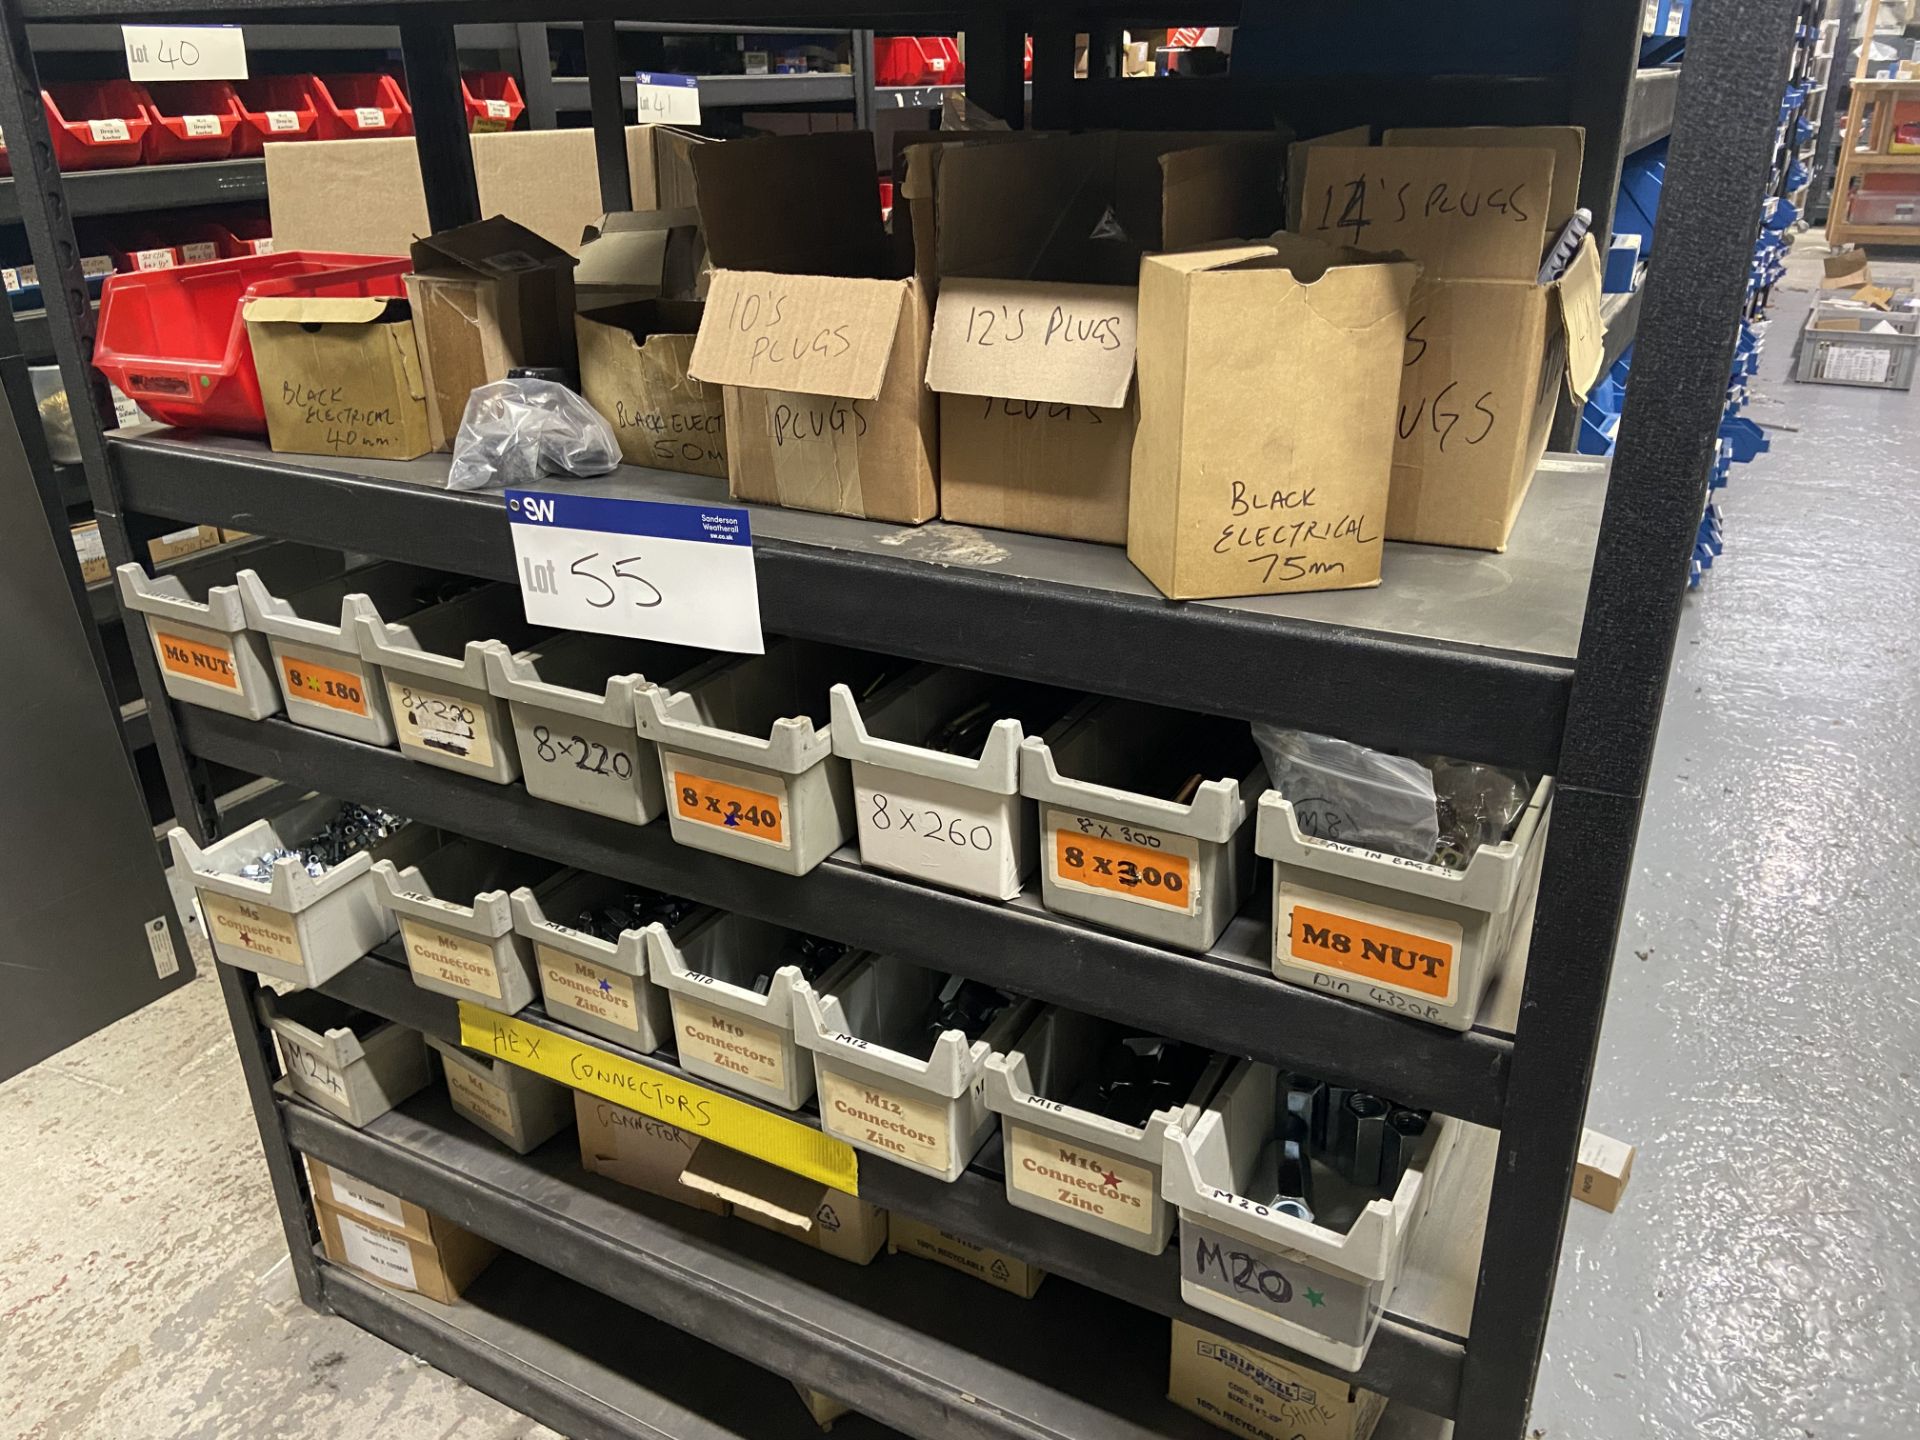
609	114
536	75
440	124
1737	53
1053	95
996	63
860	54
1606	60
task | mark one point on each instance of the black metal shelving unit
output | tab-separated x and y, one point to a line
1553	656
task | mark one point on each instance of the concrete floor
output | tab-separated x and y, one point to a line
1759	1282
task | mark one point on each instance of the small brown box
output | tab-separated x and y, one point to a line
339	375
91	551
633	370
1601	1170
1248	1392
438	1264
176	543
956	1252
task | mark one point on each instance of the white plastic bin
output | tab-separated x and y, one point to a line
206	653
518	1108
1314	1288
465	946
292	926
1401	935
956	820
572	712
436	682
1072	1165
596	985
348	1062
783	801
876	1093
1132	859
723	1028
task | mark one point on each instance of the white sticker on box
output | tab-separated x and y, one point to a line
1354	948
125	412
937	830
258	929
12	278
29	275
479	1098
749	803
365	1199
369	117
730	1042
91	266
385	1257
89	545
498	110
441	724
199	251
199	126
1857	363
1068	1174
262	246
312	1073
909	1129
184	52
576	984
666	99
458	960
162	259
104	131
280	122
1100	856
166	963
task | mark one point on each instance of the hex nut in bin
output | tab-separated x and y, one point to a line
571	708
1171	871
1227	1234
518	1108
599	986
466	949
1073	1165
206	653
724	1029
785	801
877	1095
349	1063
952	819
292	926
1422	940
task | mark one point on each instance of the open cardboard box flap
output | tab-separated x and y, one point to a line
794	205
493	247
1567	142
325	309
1577	299
815	334
1031	340
640	253
772	1196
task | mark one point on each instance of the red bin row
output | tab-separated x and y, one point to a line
917	60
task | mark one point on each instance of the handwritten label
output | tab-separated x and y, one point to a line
164	258
200	126
1071	1175
370	117
676	439
364	1199
666	99
331	420
1327	935
245	925
1270	1283
589	752
451	726
184	52
820	335
936	830
316	684
1109	857
199	252
909	1129
727	1041
283	122
478	1098
313	1075
571	983
105	132
376	1253
736	1124
1070	344
436	953
499	110
196	659
726	803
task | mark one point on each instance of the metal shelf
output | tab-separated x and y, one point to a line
1458	653
1620	314
1650	107
138	189
316	36
1228	999
723	91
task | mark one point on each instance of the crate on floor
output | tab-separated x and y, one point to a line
465	945
518	1108
206	653
350	1063
1844	345
601	986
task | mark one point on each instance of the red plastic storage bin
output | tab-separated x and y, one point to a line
143	252
493	100
944	65
238	239
191	120
355	105
96	124
175	340
897	60
276	108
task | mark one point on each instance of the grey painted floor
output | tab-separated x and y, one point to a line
1760	1281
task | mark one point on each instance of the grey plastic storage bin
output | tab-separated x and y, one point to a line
952	819
292	926
1172	870
324	684
724	1029
348	1062
1398	934
573	720
783	801
861	1022
1073	1165
465	945
518	1108
1227	1234
1846	345
206	653
596	985
436	681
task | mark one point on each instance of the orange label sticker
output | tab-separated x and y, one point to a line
1399	959
197	660
747	812
324	685
1138	873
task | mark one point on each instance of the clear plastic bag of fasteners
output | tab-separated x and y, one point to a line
1346	792
520	429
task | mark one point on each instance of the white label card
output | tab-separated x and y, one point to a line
499	110
936	830
281	122
666	99
104	131
370	117
185	52
678	573
200	126
373	1252
368	1200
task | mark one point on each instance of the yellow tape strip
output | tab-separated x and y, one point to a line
694	1108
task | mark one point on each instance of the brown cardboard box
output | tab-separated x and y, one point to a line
943	1247
821	1406
631	255
1264	449
438	1265
831	1221
340	376
356	1197
91	551
1488	348
633	370
1251	1393
486	297
176	543
820	346
1601	1170
634	1149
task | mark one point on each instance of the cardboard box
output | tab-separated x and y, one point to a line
1488	347
821	1406
438	1264
486	297
1251	1393
356	1197
1847	270
91	551
364	197
996	1267
1601	1170
830	1221
340	376
633	370
820	344
633	255
637	1150
176	543
1264	450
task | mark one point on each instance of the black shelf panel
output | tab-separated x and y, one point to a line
1228	999
1415	1357
1621	316
1650	107
310	38
1459	652
138	189
719	92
